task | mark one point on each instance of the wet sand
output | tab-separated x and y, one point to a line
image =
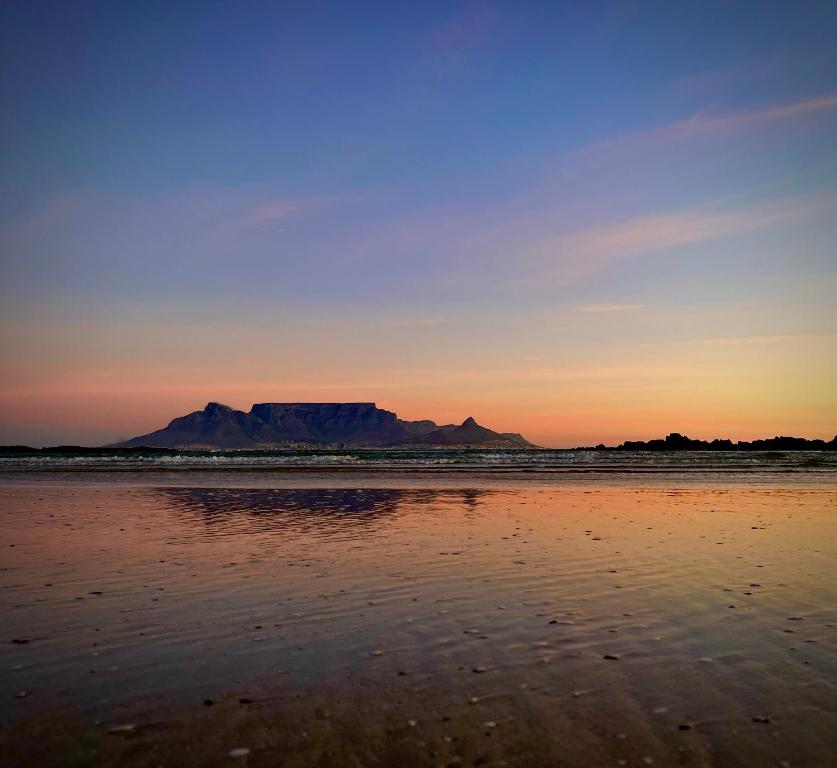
526	624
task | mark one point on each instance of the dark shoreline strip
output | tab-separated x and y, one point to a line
436	470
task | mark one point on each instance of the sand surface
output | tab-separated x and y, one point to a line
530	624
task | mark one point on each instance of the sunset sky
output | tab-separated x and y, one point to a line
580	221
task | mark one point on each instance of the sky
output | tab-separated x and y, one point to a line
584	222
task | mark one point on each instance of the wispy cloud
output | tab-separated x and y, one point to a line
419	322
88	229
607	202
273	210
337	323
605	308
524	255
708	123
777	338
571	256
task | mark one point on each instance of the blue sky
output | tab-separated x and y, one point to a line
435	179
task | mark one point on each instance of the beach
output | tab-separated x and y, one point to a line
227	619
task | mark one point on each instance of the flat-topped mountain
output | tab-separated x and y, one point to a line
269	425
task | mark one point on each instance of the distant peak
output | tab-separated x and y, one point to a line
213	407
470	422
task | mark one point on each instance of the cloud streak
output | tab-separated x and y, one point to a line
608	308
778	338
572	256
706	123
617	188
273	210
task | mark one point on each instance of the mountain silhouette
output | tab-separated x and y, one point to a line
295	424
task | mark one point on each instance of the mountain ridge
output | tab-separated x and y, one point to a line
219	426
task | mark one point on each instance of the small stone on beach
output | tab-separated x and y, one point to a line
122	729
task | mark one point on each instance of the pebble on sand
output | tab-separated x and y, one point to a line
123	729
612	656
479	670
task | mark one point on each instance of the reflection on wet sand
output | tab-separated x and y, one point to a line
309	509
527	626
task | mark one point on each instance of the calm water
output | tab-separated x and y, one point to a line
470	625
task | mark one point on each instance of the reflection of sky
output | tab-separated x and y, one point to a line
581	225
180	594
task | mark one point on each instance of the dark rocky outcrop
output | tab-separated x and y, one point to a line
293	424
677	442
469	433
